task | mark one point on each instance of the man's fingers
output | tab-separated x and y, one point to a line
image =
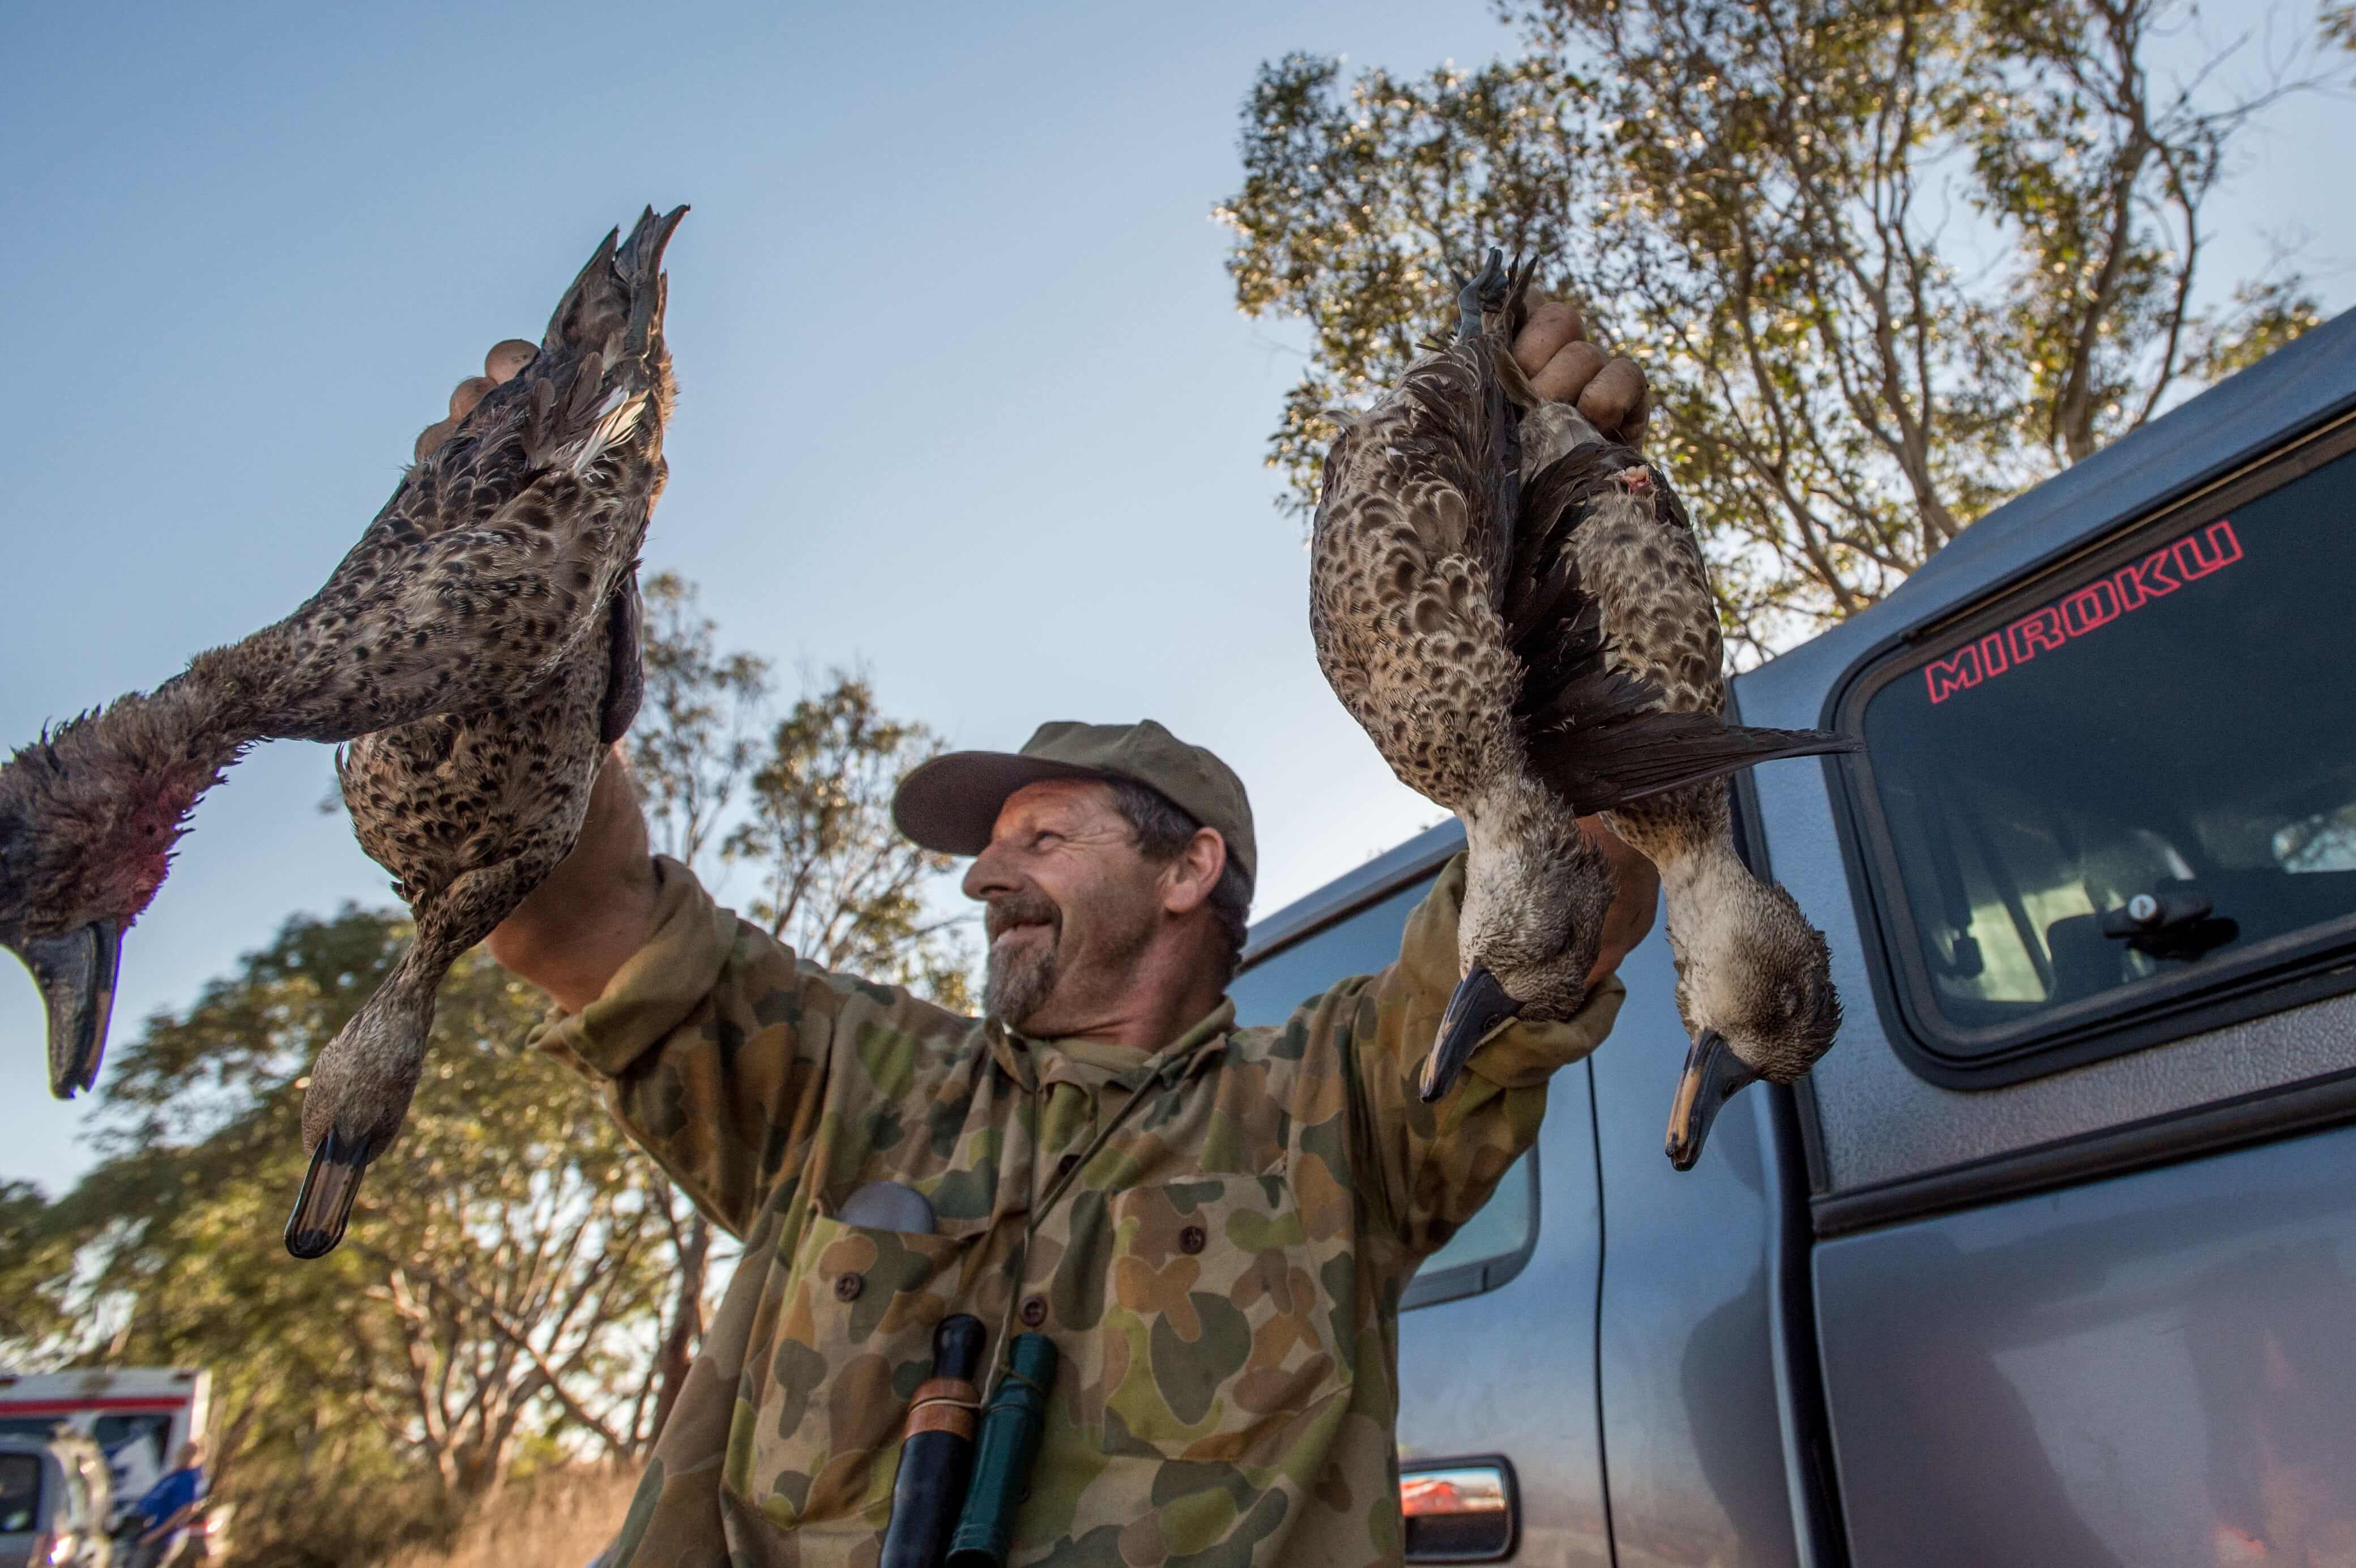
503	363
505	359
432	436
1633	431
1613	396
1568	373
1551	325
469	392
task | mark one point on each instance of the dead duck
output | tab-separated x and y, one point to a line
1755	978
470	815
493	564
469	812
1462	615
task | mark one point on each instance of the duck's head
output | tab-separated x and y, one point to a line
1535	893
354	1106
1755	985
86	836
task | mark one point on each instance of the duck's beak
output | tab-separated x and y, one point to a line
1713	1075
1479	1008
76	974
325	1204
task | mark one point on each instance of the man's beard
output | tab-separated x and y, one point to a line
1017	983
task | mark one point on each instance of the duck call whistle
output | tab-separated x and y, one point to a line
1010	1429
937	1449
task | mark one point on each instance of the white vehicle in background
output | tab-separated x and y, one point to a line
138	1415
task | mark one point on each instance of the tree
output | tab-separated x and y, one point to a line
696	735
1887	262
837	882
495	1290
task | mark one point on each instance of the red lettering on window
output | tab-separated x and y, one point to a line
1953	673
2084	609
2037	629
2216	547
2090	607
2147	579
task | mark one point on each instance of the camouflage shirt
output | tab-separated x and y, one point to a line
1221	1276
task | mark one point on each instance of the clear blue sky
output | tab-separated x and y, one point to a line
963	392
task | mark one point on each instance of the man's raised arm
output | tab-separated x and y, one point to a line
572	936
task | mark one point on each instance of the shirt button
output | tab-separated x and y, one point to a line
1034	1312
847	1286
1192	1239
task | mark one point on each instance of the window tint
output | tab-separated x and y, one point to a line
1268	991
113	1431
20	1493
2132	786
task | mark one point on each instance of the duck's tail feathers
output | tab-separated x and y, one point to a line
603	361
1600	768
614	306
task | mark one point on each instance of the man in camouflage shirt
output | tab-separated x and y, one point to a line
1213	1225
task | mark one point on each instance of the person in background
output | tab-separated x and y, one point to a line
167	1509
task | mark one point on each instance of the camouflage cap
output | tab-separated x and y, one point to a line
951	802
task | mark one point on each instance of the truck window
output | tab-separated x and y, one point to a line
2129	784
20	1493
1487	1251
152	1429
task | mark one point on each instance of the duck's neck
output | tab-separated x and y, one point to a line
1700	883
118	787
1536	890
1516	818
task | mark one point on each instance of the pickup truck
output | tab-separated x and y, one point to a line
2052	1260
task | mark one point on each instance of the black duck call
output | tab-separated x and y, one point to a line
937	1449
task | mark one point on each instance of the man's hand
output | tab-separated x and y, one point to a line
596	909
1635	895
500	364
1563	366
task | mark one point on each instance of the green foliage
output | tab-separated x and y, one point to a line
493	1288
837	881
1886	262
695	738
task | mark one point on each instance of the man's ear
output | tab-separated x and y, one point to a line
1187	880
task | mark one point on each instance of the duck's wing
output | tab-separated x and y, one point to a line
1411	536
1623	686
498	554
625	674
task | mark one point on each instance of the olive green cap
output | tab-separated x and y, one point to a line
951	802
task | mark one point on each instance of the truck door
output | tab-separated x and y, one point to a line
2084	1273
1498	1445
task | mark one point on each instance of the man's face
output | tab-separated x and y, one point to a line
1072	907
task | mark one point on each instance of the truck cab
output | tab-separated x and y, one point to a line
2052	1260
137	1416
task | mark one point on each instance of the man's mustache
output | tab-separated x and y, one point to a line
1009	910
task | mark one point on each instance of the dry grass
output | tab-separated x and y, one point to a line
559	1520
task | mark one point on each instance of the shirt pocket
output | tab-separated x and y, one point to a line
1216	1344
852	1342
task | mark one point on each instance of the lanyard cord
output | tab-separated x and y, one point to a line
1043	1207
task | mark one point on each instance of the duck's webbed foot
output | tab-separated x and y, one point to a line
1485	293
325	1205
